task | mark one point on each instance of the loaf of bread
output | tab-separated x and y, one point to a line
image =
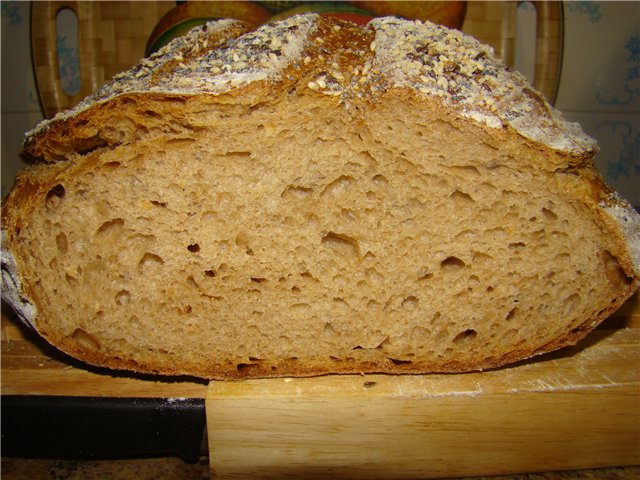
314	197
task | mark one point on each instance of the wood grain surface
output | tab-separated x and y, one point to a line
573	409
30	366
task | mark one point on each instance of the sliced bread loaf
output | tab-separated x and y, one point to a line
315	197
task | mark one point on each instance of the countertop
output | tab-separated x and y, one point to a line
176	469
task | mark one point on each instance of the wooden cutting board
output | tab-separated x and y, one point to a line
574	409
30	366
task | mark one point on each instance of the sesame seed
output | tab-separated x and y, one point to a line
407	54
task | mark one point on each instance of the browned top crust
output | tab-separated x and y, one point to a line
353	63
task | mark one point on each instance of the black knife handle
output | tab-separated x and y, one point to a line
63	427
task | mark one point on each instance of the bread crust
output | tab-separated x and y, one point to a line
225	69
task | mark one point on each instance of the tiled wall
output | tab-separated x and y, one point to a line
600	86
20	106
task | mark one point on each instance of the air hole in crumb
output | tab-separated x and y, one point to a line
373	305
300	307
148	262
549	214
240	154
246	367
512	313
296	191
410	302
209	273
465	336
424	273
461	198
570	303
397	361
258	279
122	297
61	243
112	165
339	186
111	227
452	264
54	197
328	329
340	302
517	245
380	179
159	204
341	243
85	339
614	272
243	241
481	258
194	248
295	289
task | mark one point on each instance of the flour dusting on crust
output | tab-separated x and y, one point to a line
224	56
12	288
191	65
438	61
629	222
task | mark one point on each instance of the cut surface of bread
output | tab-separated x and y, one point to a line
302	221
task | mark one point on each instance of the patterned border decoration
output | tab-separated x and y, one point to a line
11	11
631	86
628	161
590	9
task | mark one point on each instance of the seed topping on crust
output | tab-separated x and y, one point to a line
349	62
